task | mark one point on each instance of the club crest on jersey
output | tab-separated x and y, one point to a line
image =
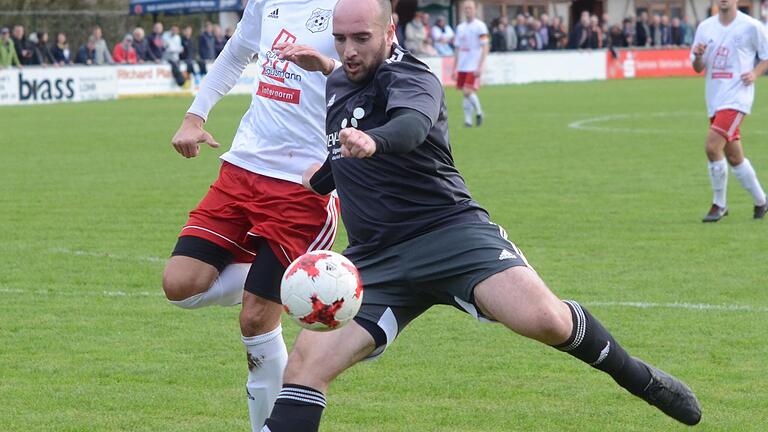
357	114
319	20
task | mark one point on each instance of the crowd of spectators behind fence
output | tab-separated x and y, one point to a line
422	36
529	33
175	46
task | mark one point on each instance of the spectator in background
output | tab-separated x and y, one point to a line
677	35
188	54
207	43
60	51
558	37
172	49
628	31
86	55
543	32
21	44
228	34
656	31
523	33
414	34
595	33
141	45
218	39
8	56
616	37
41	54
125	51
643	30
101	55
579	38
687	32
429	43
666	31
442	37
498	36
156	41
509	33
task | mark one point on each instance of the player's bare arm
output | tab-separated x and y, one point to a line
698	54
190	135
306	58
748	78
306	178
483	57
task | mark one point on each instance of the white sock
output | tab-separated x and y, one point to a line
267	357
476	103
747	177
226	290
468	106
718	175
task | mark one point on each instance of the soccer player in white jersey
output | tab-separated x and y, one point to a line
471	51
256	218
726	46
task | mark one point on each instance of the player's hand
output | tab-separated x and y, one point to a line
454	75
699	49
305	57
479	72
189	136
356	143
308	174
748	78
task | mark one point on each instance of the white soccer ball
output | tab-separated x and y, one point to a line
321	290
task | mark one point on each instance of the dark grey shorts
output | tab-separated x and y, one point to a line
441	267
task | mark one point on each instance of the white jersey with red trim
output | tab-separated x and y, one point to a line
283	131
731	51
471	38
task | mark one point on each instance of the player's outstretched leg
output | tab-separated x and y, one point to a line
263	335
742	169
519	299
718	176
478	108
468	108
317	358
201	273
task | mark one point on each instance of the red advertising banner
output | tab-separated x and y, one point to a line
649	63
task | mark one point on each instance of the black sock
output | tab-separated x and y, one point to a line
297	409
591	343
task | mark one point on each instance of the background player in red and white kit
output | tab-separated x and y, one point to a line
471	51
726	46
257	211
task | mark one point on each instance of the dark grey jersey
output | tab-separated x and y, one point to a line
390	198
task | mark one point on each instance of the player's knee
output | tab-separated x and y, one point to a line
179	287
305	367
467	92
734	159
259	316
555	326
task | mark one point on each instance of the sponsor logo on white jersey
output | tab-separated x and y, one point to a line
274	14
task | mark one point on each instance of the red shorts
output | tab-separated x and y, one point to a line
241	206
726	124
467	79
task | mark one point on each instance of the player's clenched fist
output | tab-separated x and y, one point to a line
189	136
356	143
699	49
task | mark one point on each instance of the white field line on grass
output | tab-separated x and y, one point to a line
703	307
593	123
60	250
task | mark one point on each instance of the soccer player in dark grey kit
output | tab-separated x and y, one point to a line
417	236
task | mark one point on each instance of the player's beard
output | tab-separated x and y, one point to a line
367	71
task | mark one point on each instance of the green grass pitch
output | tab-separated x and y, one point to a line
602	184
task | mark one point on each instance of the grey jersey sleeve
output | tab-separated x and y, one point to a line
408	86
